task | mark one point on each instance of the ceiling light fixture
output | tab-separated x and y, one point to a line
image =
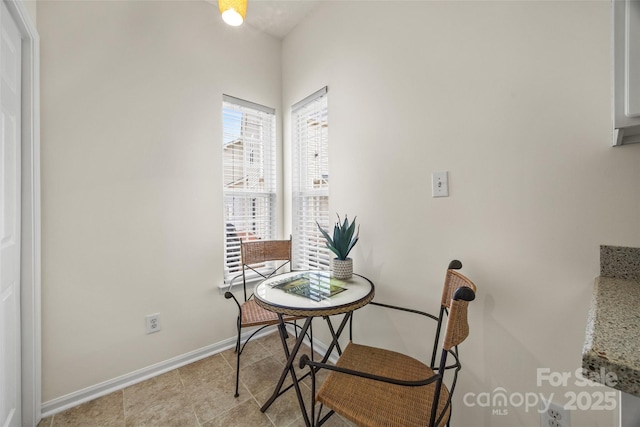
233	11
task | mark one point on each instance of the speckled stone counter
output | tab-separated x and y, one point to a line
613	332
612	343
620	262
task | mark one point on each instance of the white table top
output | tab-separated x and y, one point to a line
276	293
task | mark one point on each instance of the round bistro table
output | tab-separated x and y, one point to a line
309	294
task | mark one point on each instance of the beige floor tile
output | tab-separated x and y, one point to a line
244	415
158	401
273	343
168	406
281	357
166	414
253	352
139	397
46	422
285	409
263	375
211	395
210	367
104	411
201	395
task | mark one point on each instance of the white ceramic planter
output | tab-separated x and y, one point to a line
342	268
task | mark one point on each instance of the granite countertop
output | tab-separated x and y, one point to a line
612	344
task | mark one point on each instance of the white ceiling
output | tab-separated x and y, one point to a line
277	17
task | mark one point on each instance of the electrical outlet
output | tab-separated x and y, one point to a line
554	415
153	323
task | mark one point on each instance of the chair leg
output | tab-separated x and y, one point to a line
238	359
324	419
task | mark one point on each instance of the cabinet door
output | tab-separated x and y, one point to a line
626	84
632	58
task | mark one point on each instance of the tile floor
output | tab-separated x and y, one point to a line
201	395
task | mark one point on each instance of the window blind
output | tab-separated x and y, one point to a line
249	175
310	183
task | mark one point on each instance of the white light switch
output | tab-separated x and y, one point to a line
440	184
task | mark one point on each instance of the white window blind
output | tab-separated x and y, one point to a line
249	168
310	140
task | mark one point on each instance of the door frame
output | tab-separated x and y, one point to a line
30	203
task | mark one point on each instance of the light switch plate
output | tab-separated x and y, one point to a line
440	184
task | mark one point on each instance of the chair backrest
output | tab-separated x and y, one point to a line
259	251
457	322
255	253
456	332
452	283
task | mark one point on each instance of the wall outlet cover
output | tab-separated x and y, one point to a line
153	323
554	415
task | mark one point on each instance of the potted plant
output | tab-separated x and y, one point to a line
345	237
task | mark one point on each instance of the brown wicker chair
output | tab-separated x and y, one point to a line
377	387
256	256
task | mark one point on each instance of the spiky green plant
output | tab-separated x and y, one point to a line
344	238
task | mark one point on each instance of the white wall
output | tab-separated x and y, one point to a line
31	7
131	180
513	99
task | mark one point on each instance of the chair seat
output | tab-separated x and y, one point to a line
254	315
387	404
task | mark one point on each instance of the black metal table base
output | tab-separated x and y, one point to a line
290	368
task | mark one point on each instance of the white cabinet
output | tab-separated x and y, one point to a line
626	77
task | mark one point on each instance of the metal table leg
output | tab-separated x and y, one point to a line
289	368
291	355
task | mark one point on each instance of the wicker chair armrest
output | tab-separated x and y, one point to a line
305	361
409	310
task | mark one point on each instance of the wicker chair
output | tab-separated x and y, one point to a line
377	387
255	256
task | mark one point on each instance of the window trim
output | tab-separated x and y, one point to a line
267	175
318	94
322	255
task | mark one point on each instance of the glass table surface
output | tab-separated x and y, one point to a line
313	293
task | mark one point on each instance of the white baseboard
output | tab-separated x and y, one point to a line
90	393
71	400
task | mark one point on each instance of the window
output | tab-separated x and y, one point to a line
310	154
249	168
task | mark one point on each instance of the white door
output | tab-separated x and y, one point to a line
10	105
